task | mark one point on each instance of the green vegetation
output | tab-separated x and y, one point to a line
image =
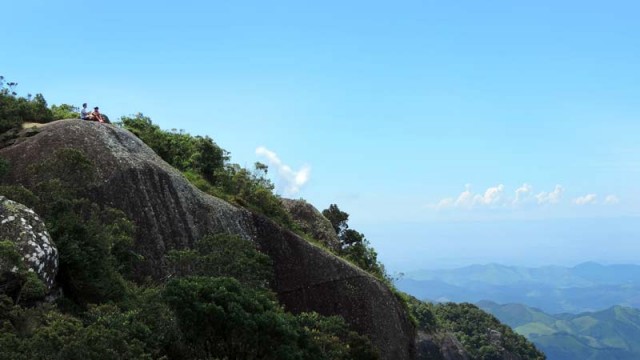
4	166
24	285
15	110
353	245
223	255
482	335
65	111
606	334
216	305
215	175
219	316
207	166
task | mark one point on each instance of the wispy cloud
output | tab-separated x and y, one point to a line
586	199
523	193
496	197
523	197
611	200
552	197
292	180
491	196
467	199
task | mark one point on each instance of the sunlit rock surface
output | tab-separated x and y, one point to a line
23	227
311	221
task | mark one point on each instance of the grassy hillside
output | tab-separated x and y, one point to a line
609	334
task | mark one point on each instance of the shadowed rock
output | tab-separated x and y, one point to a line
170	213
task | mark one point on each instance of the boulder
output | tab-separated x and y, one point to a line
439	346
312	222
170	213
27	231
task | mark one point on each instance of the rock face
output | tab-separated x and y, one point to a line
311	221
26	230
13	136
439	346
309	278
170	213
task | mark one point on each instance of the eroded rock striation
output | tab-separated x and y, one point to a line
170	213
22	226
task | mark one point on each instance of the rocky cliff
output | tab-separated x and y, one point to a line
170	213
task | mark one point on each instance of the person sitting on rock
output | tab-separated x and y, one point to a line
95	115
84	113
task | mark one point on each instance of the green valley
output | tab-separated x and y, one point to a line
608	334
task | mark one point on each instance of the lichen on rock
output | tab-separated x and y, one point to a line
24	228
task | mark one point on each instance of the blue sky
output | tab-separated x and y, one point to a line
414	116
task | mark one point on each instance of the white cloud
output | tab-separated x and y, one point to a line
611	200
444	203
468	200
491	196
522	193
586	199
292	180
550	197
465	199
524	197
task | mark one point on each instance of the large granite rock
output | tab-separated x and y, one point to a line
312	222
170	213
439	346
27	231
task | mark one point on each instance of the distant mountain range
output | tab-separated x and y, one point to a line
613	333
554	289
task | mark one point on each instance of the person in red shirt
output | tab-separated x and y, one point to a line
95	115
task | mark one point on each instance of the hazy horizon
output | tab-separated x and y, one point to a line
560	242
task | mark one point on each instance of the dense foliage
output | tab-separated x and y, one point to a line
481	334
15	110
219	316
207	166
65	111
353	245
216	305
223	255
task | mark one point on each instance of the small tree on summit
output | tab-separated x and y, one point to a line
353	244
337	217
